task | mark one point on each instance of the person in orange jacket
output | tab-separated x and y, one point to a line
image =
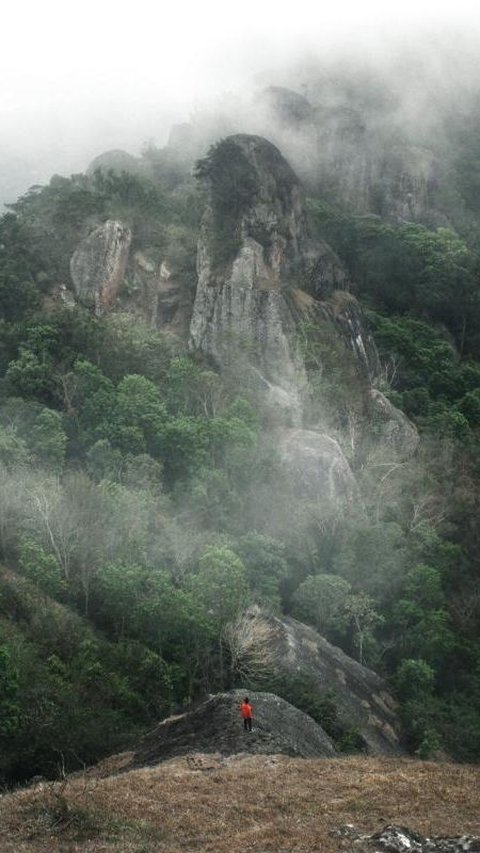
246	711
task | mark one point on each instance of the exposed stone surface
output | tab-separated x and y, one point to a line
248	300
158	295
98	265
360	695
216	726
391	426
350	153
346	313
399	839
244	304
317	466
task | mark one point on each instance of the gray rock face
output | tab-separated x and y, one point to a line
392	427
400	839
98	265
350	153
346	313
248	302
370	173
360	695
157	294
259	277
242	314
243	302
216	726
317	466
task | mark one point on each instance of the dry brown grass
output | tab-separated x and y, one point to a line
261	803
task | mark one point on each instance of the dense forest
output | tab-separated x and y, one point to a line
143	505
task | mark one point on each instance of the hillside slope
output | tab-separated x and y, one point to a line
263	803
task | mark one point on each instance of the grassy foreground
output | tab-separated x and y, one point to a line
262	803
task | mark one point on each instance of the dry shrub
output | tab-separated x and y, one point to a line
250	640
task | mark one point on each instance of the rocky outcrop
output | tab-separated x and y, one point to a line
250	264
246	313
216	726
241	300
316	465
158	295
98	265
391	426
347	152
360	696
400	839
260	277
346	313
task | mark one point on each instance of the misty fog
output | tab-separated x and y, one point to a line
76	84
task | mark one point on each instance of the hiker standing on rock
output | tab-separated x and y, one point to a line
246	711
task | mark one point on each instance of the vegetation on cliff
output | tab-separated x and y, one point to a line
143	503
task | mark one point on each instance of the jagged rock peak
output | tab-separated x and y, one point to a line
252	242
254	194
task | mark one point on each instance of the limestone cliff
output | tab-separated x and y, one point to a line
391	426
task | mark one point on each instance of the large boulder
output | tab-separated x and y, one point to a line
98	265
391	426
216	726
287	647
317	466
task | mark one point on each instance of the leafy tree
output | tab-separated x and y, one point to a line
372	557
420	620
20	264
220	584
10	708
322	601
232	183
31	377
42	568
265	561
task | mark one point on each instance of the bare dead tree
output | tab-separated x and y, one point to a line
250	641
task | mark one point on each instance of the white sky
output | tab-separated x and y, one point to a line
78	78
